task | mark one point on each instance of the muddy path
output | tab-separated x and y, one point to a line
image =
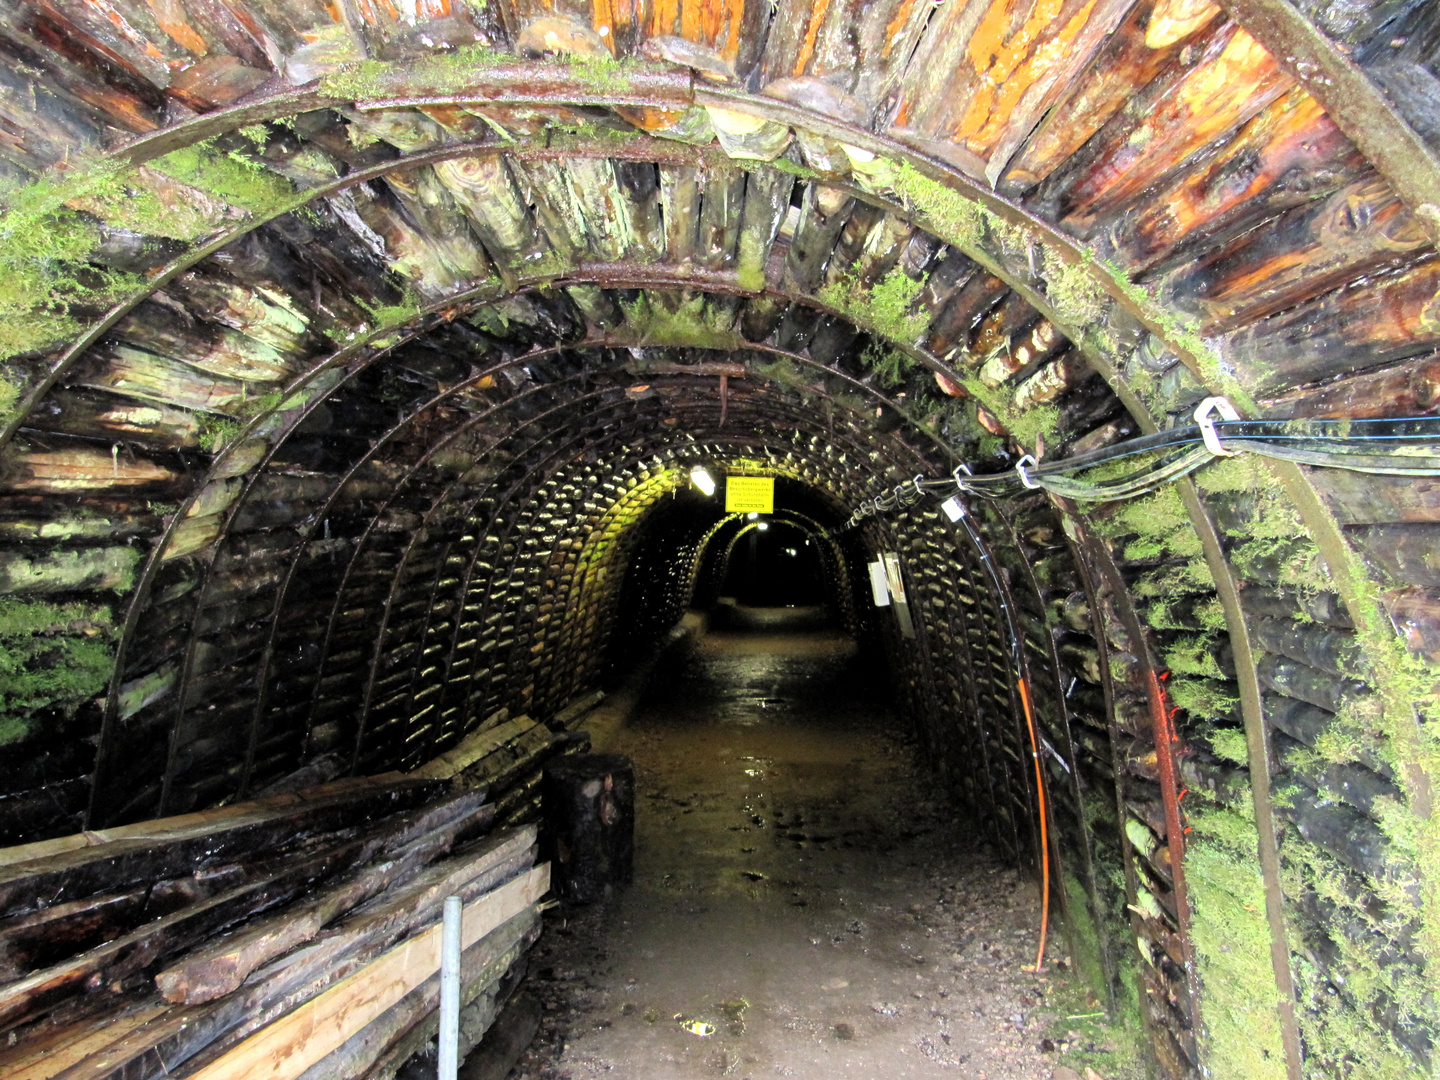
805	902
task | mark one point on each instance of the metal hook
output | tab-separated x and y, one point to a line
1207	424
1024	476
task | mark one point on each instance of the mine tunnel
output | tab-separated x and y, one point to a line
361	363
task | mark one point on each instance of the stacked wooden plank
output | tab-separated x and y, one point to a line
505	756
293	935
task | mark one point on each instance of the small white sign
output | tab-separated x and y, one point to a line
953	510
878	586
893	578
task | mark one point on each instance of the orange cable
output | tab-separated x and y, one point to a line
1044	829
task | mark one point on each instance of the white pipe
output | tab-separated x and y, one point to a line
450	990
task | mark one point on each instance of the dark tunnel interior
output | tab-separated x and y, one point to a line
358	360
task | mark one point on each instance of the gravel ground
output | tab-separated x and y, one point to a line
805	904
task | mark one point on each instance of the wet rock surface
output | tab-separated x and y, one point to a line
806	904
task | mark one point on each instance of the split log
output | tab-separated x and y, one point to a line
73	467
1124	63
720	219
1283	602
823	213
1361	229
483	187
1232	79
1289	155
1406	390
1219	781
1329	650
1350	783
1362	499
951	328
100	415
987	93
680	204
1416	616
1355	840
1372	322
1294	679
1405	552
1053	380
134	373
163	330
590	812
434	209
44	937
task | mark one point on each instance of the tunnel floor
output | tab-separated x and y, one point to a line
802	893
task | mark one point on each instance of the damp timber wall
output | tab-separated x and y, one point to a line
348	366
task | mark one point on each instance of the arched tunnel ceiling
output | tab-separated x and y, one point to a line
349	351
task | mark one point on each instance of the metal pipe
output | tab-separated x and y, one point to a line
450	989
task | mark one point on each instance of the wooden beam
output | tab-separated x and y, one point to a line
298	1040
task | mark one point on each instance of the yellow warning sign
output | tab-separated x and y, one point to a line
749	494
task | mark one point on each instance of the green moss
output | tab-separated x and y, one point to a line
214	433
1077	296
43	267
443	72
1232	944
52	657
890	365
1026	426
787	164
231	175
956	218
1229	743
1202	698
60	570
602	73
690	324
1108	1040
884	308
1193	656
1342	1011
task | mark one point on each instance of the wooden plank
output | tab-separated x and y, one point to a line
410	1024
152	941
220	967
147	853
474	748
41	1059
298	1040
574	712
184	1032
182	826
